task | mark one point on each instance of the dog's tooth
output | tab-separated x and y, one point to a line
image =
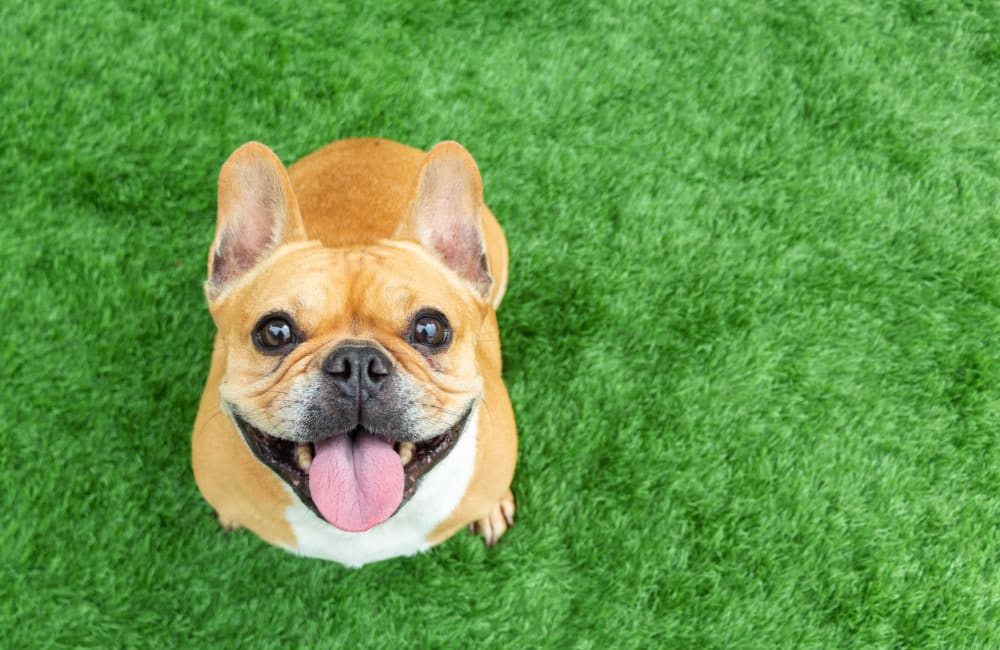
303	456
406	452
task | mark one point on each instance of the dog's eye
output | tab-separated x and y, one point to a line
274	334
430	330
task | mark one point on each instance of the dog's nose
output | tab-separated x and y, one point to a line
358	370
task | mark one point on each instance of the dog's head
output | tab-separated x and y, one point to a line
349	372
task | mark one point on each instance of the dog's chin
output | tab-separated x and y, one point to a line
291	460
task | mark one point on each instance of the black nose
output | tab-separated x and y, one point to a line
358	370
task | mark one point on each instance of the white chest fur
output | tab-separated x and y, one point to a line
405	533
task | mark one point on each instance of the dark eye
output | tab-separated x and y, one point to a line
430	330
273	334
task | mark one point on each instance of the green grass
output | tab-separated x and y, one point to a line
751	335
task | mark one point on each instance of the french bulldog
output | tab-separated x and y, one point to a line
354	409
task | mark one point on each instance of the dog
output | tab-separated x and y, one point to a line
354	409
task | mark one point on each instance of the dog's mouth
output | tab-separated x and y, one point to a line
355	480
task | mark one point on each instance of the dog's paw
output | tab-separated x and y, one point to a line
228	525
494	525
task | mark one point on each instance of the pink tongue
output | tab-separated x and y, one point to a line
356	483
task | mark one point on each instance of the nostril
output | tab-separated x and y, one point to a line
340	368
377	369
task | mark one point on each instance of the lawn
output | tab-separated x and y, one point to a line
751	334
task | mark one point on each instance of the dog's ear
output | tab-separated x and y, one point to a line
257	213
446	214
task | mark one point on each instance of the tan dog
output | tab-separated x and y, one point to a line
354	410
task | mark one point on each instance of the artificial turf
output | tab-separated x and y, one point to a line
751	332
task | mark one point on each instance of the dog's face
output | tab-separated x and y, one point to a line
349	372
